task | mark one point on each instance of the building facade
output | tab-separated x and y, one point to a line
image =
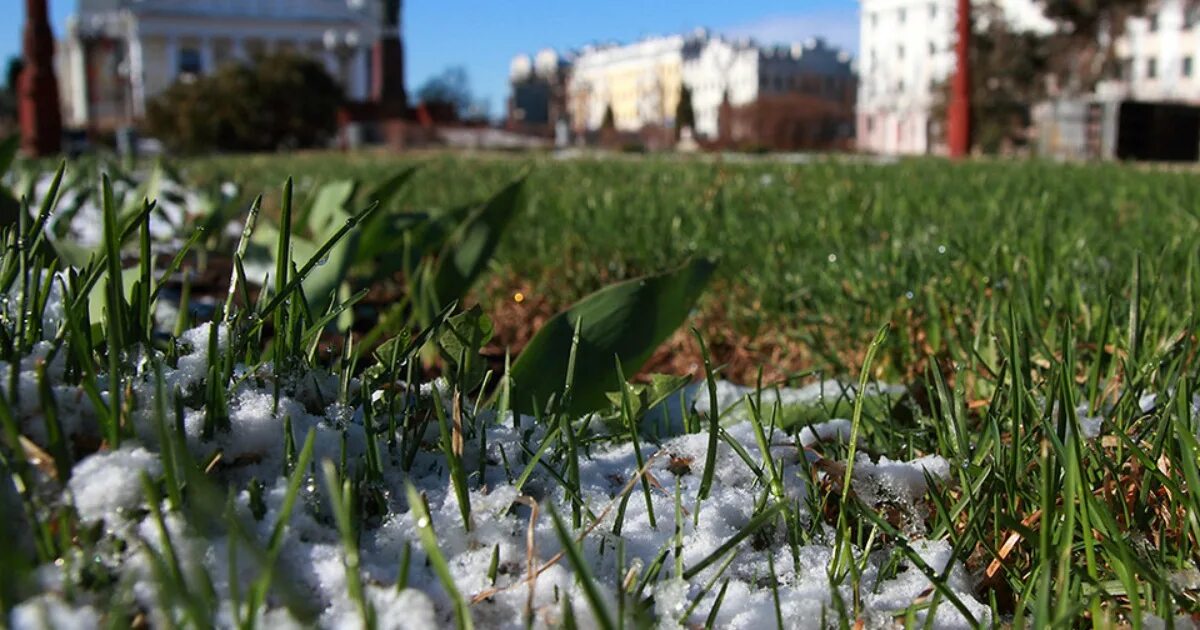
538	99
1158	56
906	52
642	82
118	54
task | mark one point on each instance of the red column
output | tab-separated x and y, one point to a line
38	107
959	114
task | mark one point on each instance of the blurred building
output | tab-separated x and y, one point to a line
641	82
1158	55
907	50
1151	111
804	101
117	54
538	98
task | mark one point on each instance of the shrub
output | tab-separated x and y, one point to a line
282	100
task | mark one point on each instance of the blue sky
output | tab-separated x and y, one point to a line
483	35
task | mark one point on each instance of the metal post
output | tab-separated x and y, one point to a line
39	111
959	123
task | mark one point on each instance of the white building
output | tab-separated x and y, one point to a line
117	54
715	69
642	81
1158	56
906	51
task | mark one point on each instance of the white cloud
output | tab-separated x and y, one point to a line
839	28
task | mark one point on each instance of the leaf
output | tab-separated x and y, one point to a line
662	386
875	404
96	297
389	188
8	152
322	281
646	396
9	206
460	341
381	244
627	320
328	208
471	246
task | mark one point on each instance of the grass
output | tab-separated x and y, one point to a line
815	257
1013	300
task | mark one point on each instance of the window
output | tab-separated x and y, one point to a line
1153	24
932	49
900	51
189	61
1125	69
932	11
1151	68
900	85
902	15
1186	67
874	20
1191	16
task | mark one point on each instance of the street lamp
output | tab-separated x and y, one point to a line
344	45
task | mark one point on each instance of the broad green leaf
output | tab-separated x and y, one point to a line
383	234
397	345
627	320
9	206
663	386
390	188
460	341
645	396
96	302
471	246
328	209
8	152
799	415
381	244
70	253
386	251
320	284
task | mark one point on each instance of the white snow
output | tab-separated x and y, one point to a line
48	611
108	484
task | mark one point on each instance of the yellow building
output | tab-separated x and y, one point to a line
641	82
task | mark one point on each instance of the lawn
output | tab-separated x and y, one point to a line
814	258
910	394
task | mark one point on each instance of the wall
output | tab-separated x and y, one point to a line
906	51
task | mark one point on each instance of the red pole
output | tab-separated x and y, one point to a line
959	123
37	88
